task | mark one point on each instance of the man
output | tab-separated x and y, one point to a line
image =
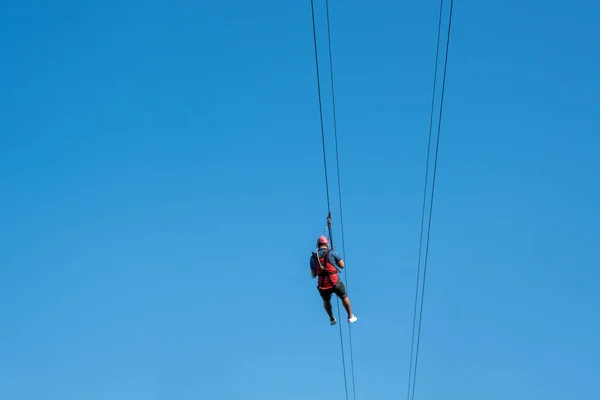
323	264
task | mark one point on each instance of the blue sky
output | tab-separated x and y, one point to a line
162	188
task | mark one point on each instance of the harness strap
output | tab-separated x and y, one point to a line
323	267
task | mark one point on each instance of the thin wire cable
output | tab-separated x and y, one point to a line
339	184
326	178
320	104
414	327
432	187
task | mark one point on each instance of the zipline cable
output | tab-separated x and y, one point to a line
320	107
437	50
339	185
312	6
414	376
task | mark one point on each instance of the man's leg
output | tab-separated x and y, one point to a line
326	295
340	291
329	309
347	306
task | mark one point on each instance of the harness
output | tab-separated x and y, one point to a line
322	271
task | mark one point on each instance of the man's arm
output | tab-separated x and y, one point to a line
313	272
338	260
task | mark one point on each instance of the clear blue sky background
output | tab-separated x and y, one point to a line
162	187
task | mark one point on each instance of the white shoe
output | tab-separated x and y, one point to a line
352	319
333	322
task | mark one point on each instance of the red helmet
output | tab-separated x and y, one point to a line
322	240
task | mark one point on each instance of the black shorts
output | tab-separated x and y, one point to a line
339	289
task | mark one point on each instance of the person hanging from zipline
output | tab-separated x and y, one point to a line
324	264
